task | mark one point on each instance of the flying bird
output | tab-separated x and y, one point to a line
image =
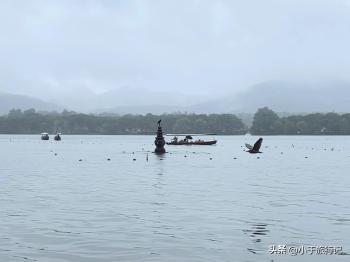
255	149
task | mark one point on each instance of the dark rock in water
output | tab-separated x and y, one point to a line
159	142
108	159
80	160
185	156
134	159
210	158
258	157
306	157
235	158
55	154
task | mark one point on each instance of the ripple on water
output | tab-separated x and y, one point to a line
169	208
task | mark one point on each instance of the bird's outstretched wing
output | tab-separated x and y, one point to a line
248	146
257	144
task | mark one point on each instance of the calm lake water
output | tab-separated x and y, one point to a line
196	203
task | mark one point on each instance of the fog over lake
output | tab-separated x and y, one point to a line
60	51
98	76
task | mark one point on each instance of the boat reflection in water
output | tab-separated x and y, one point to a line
188	139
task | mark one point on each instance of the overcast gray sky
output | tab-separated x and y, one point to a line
196	46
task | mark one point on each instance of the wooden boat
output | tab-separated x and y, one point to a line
188	140
188	143
45	136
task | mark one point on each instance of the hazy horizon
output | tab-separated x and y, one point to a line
174	130
53	49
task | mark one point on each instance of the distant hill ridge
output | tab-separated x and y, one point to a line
280	96
283	96
13	101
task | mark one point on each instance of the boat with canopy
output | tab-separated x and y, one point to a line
187	139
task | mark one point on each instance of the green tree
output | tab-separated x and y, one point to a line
265	122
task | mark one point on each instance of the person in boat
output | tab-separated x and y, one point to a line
188	138
175	139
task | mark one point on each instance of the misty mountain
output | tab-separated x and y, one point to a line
280	96
12	101
127	96
142	109
127	100
286	96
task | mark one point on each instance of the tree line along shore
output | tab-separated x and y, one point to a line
265	122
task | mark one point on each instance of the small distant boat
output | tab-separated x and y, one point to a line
188	140
57	137
45	136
